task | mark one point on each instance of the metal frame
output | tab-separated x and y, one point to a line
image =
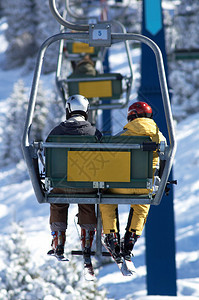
129	79
29	150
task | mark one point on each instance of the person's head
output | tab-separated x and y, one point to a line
139	110
85	66
77	105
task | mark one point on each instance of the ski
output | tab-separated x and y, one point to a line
119	261
89	274
58	257
130	266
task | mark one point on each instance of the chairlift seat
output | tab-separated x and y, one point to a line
101	86
79	48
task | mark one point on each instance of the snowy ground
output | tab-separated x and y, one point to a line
18	204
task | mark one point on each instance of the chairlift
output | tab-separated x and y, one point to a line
112	153
105	86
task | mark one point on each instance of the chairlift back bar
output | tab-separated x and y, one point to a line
91	145
102	77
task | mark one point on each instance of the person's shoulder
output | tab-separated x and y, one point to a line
57	127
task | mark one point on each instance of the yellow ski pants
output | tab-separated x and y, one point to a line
136	221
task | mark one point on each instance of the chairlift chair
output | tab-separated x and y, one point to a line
134	151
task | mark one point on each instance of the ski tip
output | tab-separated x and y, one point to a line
62	258
89	277
59	258
89	274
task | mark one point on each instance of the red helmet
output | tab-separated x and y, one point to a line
139	110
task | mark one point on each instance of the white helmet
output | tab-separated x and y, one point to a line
77	105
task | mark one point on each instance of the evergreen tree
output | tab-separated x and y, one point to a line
46	27
56	113
186	25
1	9
184	74
21	279
17	274
20	16
14	119
40	114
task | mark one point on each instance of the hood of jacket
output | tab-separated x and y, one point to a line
74	126
144	126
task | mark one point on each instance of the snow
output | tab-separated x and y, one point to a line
18	205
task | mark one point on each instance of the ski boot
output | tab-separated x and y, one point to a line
57	244
111	241
128	243
87	239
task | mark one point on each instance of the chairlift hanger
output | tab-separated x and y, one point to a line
103	78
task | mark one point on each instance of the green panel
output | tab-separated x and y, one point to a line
56	160
73	87
139	164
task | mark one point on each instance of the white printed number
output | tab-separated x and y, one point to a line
100	34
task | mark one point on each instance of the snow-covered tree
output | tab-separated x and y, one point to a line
56	113
46	27
30	23
184	74
186	24
14	124
21	278
20	17
14	119
1	8
17	273
41	113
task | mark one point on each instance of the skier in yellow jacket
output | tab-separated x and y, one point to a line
140	123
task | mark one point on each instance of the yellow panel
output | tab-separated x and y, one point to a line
98	166
82	48
93	89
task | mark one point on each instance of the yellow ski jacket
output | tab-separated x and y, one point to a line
142	127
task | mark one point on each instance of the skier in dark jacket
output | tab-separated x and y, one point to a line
76	124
